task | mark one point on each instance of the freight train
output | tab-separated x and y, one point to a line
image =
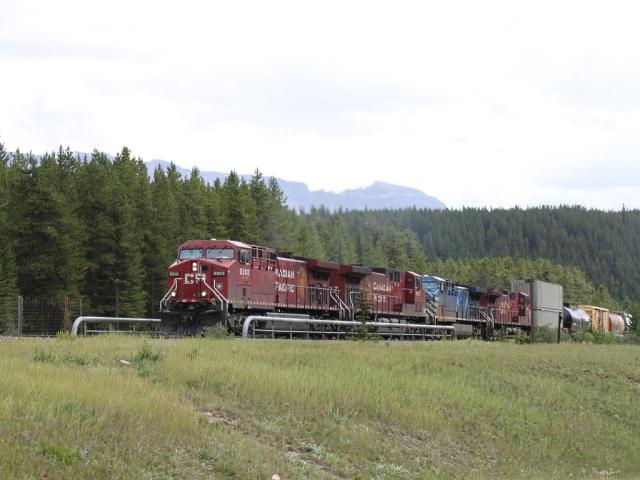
225	281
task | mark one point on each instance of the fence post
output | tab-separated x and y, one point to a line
65	319
20	314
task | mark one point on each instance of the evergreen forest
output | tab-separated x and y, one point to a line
72	226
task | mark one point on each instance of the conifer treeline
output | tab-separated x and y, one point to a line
74	226
604	245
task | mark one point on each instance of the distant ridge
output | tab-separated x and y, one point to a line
379	195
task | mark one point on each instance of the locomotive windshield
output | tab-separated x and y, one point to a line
432	286
189	253
219	253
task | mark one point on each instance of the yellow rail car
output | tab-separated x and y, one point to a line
599	318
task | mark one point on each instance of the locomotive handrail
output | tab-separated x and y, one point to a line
341	305
376	299
80	320
307	290
489	315
351	323
164	300
351	302
223	300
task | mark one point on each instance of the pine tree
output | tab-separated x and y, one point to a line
8	284
307	241
393	248
239	209
216	222
162	237
43	223
114	239
264	206
338	244
133	212
193	206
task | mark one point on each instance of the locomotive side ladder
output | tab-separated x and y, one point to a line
431	309
343	310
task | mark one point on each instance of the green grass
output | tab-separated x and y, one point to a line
121	407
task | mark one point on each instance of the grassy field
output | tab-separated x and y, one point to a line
121	407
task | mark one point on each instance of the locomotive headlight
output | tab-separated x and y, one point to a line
204	294
194	266
173	294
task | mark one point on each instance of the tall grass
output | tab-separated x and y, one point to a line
129	408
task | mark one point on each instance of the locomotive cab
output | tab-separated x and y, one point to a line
199	273
198	282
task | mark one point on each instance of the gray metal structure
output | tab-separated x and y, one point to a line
546	301
284	326
110	320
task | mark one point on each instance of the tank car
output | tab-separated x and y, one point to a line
575	320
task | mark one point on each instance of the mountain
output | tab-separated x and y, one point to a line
377	196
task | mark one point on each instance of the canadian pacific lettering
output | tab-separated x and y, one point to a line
282	273
381	287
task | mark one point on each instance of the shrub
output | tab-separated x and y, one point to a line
582	337
62	335
217	331
363	333
146	354
604	338
630	339
501	335
60	453
145	358
62	358
545	335
43	357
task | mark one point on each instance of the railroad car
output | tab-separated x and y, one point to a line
599	318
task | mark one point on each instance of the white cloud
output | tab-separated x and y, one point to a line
477	103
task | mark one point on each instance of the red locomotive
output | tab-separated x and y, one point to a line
224	281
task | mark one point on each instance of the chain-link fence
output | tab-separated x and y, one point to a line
38	315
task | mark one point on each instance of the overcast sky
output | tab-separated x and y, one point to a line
477	103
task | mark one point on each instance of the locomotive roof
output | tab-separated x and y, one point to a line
354	270
384	269
322	264
236	243
218	241
438	279
290	259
